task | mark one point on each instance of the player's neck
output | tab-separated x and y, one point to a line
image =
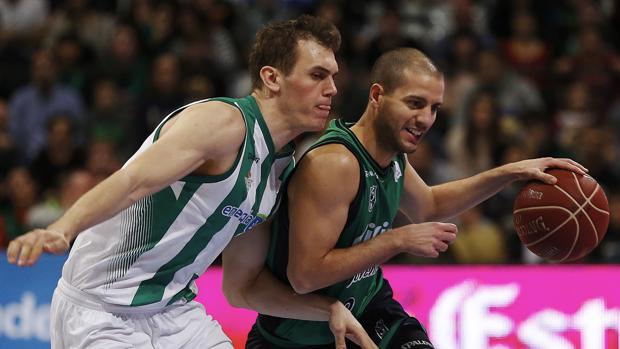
280	129
367	135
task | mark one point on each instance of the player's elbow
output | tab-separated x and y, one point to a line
234	295
301	282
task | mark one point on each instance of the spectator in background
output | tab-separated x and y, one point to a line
74	61
72	185
525	52
21	195
197	87
22	21
515	95
22	24
575	113
479	241
34	104
163	95
94	28
101	160
598	149
160	33
595	64
8	153
475	145
60	154
430	166
111	116
223	35
460	59
389	36
124	63
190	45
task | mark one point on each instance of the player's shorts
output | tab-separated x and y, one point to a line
79	322
385	321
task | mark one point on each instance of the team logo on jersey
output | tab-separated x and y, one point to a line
372	199
244	218
371	231
363	275
248	181
380	328
397	172
350	303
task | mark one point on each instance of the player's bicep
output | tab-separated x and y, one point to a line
199	134
320	194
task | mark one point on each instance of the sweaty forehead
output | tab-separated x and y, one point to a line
310	54
421	84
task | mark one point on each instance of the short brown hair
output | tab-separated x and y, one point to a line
389	67
276	44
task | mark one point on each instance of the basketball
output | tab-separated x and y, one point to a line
561	222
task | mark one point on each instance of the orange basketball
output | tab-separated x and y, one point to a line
561	222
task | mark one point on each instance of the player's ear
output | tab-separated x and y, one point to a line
376	93
271	78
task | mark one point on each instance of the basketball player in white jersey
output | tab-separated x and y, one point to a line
211	170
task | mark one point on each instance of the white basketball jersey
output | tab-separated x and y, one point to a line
149	254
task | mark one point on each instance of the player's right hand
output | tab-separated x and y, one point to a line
26	249
426	239
344	325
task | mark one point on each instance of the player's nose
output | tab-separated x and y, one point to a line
330	88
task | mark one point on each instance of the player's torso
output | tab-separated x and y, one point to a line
150	253
371	214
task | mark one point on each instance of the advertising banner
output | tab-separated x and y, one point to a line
462	307
487	307
25	297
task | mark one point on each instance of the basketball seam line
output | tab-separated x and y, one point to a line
589	201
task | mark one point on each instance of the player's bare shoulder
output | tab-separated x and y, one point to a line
332	158
330	167
216	127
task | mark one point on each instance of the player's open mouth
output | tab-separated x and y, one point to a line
414	132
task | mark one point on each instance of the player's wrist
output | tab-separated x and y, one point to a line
395	240
66	234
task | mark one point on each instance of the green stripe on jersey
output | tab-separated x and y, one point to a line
142	229
152	290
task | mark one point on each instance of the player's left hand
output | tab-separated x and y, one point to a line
26	249
344	325
535	168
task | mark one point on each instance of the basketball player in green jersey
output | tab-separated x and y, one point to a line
333	229
210	171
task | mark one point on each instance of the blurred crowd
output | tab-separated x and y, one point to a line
83	82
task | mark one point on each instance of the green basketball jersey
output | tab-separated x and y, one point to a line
148	255
370	214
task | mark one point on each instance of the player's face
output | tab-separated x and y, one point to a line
309	88
408	112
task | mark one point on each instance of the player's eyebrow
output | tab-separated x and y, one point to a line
324	70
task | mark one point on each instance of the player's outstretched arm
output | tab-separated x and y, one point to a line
247	283
423	203
200	133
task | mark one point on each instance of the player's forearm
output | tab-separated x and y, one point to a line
268	295
100	203
344	263
452	198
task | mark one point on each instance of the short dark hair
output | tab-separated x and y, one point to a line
389	67
276	44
